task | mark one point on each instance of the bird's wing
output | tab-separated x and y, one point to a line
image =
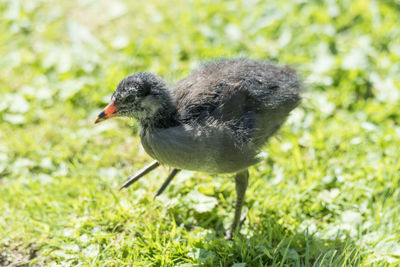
233	92
206	99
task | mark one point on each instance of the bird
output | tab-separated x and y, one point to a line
216	120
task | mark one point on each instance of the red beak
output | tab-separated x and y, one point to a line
108	112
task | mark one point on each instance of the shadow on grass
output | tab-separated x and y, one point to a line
271	244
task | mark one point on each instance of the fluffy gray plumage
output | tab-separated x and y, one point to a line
216	119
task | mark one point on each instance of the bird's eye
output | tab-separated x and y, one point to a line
129	98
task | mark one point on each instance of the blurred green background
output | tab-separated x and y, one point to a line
326	194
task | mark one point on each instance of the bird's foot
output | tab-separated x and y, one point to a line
166	182
232	231
139	174
145	170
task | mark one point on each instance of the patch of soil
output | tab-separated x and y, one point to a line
17	256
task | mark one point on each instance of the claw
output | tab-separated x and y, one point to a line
167	181
139	174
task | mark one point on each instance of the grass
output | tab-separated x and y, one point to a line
326	194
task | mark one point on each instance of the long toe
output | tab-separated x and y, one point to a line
139	174
166	182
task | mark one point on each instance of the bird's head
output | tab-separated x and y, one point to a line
140	95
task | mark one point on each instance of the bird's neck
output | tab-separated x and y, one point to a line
158	111
161	120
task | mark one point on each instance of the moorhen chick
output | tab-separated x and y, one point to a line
216	120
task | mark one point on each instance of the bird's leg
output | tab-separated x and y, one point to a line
241	180
167	181
139	174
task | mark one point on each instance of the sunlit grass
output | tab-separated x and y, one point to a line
326	194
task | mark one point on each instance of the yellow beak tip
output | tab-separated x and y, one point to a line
98	120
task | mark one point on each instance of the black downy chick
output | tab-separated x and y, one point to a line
215	120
